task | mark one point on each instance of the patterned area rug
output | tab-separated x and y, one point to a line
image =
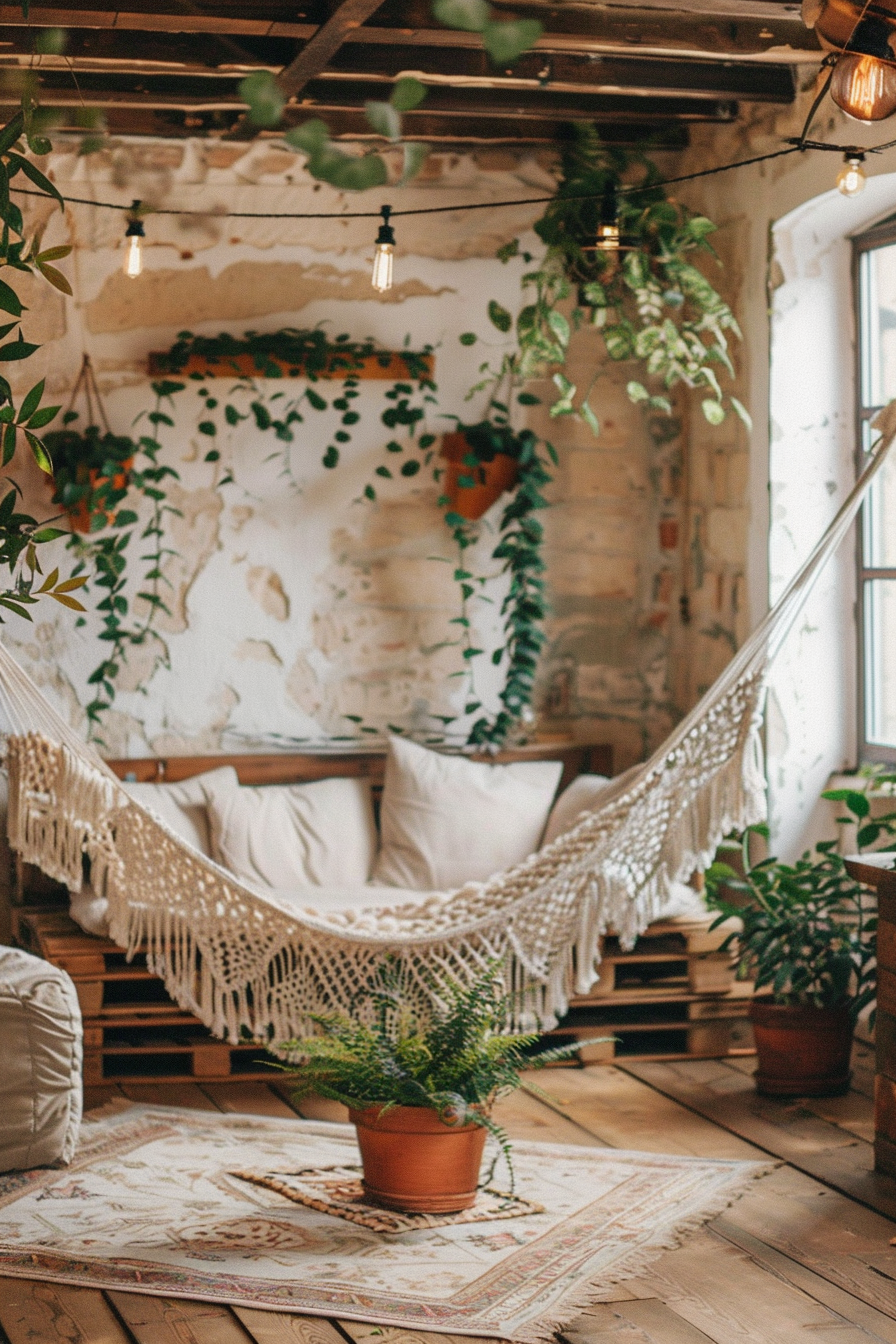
150	1204
338	1191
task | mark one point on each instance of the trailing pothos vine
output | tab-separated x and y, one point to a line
98	477
651	304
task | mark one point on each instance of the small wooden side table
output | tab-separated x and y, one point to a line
878	871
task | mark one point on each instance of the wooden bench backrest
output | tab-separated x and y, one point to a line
284	767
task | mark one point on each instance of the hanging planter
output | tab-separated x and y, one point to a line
91	475
481	463
92	467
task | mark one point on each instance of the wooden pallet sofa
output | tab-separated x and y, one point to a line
674	995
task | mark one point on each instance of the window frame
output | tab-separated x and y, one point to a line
881	235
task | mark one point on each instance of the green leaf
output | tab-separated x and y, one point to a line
559	325
713	410
264	98
39	452
9	443
9	300
470	16
590	418
11	132
331	458
55	278
742	412
636	392
385	119
407	94
499	317
32	400
506	41
528	399
17	349
410	468
311	137
40	180
468	338
415	155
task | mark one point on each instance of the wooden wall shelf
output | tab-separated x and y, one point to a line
370	367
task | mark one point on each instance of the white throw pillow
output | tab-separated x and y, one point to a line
40	1062
578	797
182	806
446	820
298	835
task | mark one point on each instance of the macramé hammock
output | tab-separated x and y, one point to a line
243	960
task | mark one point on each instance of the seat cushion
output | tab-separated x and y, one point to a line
446	820
321	834
578	797
40	1062
182	806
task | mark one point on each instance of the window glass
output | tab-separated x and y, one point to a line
879	325
879	518
880	661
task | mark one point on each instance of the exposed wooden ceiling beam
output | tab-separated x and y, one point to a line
678	31
315	55
188	62
484	135
443	105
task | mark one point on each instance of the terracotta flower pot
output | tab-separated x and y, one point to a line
802	1051
415	1163
79	516
492	478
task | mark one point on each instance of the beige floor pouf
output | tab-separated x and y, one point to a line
40	1062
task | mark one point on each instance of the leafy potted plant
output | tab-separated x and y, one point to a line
420	1092
91	472
809	938
482	461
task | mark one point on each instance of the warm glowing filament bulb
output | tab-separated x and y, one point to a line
133	243
851	177
385	250
133	257
864	87
607	238
382	266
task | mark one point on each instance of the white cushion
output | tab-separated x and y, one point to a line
40	1062
446	820
182	806
578	797
298	835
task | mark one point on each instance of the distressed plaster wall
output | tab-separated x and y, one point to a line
292	603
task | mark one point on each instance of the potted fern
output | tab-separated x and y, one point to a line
420	1092
809	938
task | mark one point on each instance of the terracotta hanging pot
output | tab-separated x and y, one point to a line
414	1162
79	515
490	479
802	1051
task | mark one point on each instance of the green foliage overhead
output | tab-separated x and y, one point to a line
651	303
458	1062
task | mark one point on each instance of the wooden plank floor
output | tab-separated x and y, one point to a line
804	1256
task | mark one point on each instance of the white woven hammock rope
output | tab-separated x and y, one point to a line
245	962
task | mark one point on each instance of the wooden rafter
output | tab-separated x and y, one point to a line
315	55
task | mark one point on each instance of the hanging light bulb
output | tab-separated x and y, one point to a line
385	250
864	86
851	177
133	240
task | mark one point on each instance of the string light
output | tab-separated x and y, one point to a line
851	177
134	235
864	86
385	250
